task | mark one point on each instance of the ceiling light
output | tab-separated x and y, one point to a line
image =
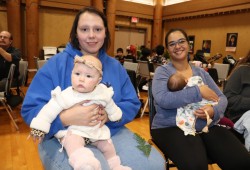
146	2
171	2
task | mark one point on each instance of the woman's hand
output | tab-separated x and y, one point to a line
81	115
200	113
208	93
103	116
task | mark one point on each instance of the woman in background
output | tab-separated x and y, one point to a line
237	89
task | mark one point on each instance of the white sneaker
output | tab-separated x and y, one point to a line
145	87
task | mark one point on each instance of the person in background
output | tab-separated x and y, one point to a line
153	54
119	55
89	36
145	54
131	53
192	152
8	55
237	89
159	54
199	56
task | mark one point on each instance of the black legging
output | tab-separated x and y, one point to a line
191	152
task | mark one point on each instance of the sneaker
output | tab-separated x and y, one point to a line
145	87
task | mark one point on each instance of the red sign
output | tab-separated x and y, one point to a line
134	19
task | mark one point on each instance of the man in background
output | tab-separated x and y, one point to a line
159	58
8	55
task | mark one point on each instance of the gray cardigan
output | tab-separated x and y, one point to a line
167	102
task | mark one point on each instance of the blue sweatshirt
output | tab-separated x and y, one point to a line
57	72
167	102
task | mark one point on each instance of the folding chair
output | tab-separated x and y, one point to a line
131	66
5	96
143	71
223	70
23	73
128	60
39	63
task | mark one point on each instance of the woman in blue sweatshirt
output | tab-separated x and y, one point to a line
89	35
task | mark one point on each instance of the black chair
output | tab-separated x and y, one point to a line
214	74
152	112
132	76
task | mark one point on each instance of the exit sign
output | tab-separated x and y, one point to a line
134	19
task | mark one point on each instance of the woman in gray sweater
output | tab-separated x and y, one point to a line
191	152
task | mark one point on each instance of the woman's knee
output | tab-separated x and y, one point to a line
51	157
140	160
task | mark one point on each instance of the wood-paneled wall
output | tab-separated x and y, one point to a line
203	7
3	18
55	26
216	29
56	17
134	9
69	4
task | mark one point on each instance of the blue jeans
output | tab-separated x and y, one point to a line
126	148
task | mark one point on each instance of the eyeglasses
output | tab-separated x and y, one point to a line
180	42
3	37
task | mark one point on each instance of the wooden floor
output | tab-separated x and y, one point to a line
18	153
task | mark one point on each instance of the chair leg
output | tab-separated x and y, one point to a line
9	110
167	165
138	92
144	108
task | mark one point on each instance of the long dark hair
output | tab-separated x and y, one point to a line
241	62
73	39
245	59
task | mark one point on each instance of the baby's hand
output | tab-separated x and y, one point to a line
37	135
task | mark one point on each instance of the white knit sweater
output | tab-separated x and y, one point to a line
65	99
